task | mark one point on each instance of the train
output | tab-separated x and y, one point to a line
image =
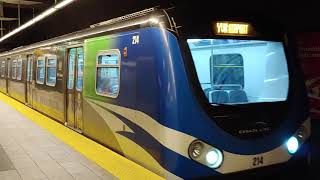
184	99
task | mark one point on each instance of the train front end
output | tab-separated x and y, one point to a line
243	106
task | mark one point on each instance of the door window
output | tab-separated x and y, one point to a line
72	57
80	69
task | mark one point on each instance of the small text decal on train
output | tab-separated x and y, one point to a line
135	39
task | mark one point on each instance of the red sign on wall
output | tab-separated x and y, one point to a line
309	55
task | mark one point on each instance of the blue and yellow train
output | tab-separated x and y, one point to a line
184	102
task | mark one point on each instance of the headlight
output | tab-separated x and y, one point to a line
302	133
292	145
195	149
205	154
214	158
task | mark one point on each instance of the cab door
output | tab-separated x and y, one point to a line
74	88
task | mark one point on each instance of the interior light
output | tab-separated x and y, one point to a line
193	40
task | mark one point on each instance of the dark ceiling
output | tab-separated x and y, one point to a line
297	17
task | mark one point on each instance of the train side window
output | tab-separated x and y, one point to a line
51	71
108	73
19	69
3	68
14	69
80	69
29	68
40	70
9	69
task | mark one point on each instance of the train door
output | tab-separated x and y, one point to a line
29	81
74	88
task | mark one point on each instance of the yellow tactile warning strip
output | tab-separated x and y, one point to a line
114	163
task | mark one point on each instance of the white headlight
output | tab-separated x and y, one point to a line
205	154
214	158
292	145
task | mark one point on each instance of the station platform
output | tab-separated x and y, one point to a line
35	147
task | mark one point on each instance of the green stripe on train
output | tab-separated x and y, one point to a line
91	49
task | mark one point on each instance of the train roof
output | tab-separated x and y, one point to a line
145	17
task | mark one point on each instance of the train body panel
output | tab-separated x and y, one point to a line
48	98
17	90
106	118
49	103
3	76
94	123
3	85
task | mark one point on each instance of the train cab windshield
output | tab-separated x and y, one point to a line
235	72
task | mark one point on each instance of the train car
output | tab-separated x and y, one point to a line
183	102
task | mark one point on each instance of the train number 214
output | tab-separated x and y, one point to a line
257	161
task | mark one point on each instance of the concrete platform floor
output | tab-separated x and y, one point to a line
29	152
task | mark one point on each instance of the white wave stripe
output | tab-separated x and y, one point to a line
242	162
113	122
235	162
181	141
116	125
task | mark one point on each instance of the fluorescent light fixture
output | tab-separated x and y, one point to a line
63	4
44	14
154	20
41	16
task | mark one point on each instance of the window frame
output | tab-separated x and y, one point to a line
68	68
37	78
30	60
213	65
31	68
3	69
14	65
20	78
9	61
77	67
47	66
118	65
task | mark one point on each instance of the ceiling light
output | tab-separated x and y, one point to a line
37	18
